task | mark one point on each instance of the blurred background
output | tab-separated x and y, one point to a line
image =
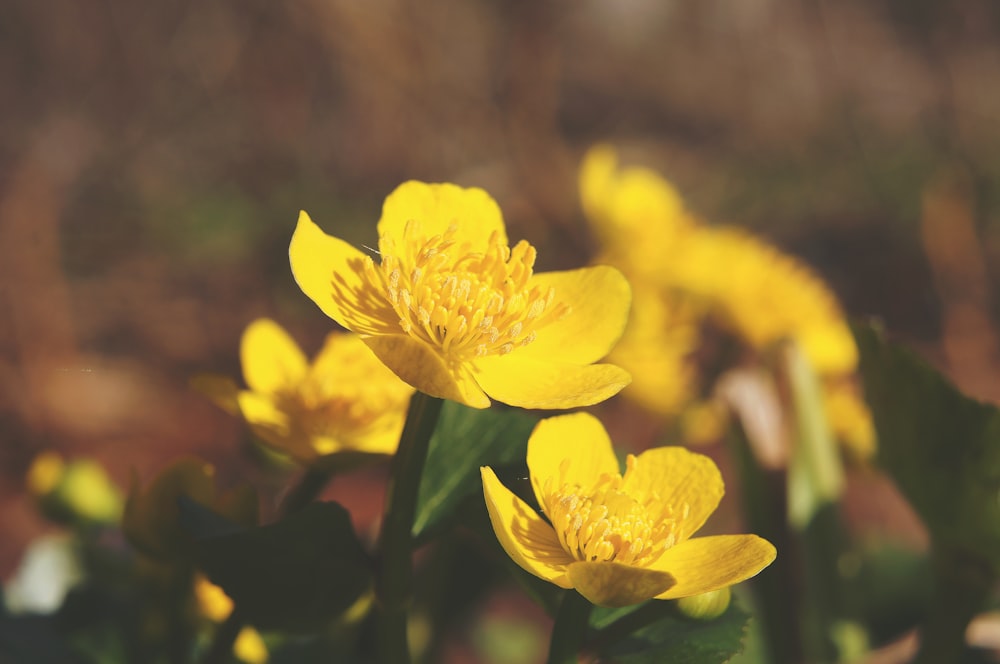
154	157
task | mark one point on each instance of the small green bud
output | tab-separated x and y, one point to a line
706	606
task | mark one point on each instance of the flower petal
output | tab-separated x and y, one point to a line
329	271
439	206
420	366
704	564
614	584
599	298
529	382
260	410
679	477
578	438
271	359
525	536
222	390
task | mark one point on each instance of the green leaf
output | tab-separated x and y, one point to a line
662	636
296	574
465	439
941	447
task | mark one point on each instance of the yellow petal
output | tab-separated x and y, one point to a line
529	382
222	391
578	438
679	477
259	409
703	564
613	584
599	298
271	359
597	177
383	440
436	207
329	270
420	366
525	536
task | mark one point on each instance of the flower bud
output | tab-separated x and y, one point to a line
706	606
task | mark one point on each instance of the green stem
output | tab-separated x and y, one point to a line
570	630
394	586
962	584
776	588
304	492
644	616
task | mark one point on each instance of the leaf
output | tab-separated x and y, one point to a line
941	447
670	638
34	640
296	574
465	439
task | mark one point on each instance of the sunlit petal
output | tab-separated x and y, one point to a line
419	365
271	359
691	482
572	449
329	271
530	382
599	299
436	207
525	536
704	564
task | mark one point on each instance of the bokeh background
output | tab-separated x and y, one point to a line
154	156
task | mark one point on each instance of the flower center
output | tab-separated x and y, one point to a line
603	523
345	405
465	303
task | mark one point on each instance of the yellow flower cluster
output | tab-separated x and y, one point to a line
346	400
687	273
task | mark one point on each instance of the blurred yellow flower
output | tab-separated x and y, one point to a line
685	273
215	604
638	216
77	490
619	539
849	418
457	313
765	297
345	401
661	336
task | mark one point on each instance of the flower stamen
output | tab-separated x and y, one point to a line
467	303
603	522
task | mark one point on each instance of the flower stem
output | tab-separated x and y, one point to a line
570	630
394	585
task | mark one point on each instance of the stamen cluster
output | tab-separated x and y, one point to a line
604	523
466	303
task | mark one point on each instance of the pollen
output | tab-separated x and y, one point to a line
604	523
463	301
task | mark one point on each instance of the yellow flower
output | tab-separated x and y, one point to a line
619	539
638	216
346	400
215	604
765	296
657	346
457	313
849	418
78	490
